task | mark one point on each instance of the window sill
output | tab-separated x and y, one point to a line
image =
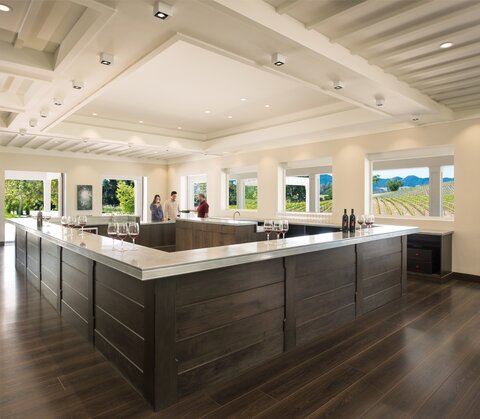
392	217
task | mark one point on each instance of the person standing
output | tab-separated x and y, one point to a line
171	207
156	209
202	209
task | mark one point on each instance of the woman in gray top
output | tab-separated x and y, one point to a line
156	209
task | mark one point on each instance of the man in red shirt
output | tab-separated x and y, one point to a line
202	209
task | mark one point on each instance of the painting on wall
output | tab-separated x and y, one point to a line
84	197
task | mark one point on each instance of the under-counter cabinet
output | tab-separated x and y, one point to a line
429	254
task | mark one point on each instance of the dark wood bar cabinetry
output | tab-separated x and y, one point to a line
173	334
429	254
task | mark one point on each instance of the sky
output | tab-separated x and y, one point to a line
422	172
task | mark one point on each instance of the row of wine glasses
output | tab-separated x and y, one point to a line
368	220
277	226
71	221
121	231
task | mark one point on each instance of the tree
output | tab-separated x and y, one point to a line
54	195
232	193
375	179
126	197
394	185
23	195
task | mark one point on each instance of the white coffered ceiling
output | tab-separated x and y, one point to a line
212	53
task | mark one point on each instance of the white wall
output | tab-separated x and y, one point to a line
83	172
349	168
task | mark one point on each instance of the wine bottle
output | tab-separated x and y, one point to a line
352	222
345	221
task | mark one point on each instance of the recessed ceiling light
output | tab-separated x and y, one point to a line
267	106
229	116
207	111
243	99
179	127
94	114
5	8
446	45
140	122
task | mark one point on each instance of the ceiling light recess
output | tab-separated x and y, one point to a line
446	45
415	117
76	84
162	10
5	8
278	59
106	58
379	101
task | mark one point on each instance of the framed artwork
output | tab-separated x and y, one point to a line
84	197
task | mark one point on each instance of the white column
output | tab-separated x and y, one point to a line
435	191
47	193
240	193
314	193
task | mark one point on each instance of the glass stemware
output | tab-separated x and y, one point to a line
112	232
133	232
64	221
277	228
82	222
268	228
122	232
361	221
47	217
284	228
71	222
370	220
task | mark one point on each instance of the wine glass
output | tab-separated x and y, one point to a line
370	220
361	220
284	228
122	232
112	232
71	221
133	232
48	217
277	227
64	221
82	221
268	228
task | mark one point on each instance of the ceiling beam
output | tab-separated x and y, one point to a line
29	141
28	21
287	5
456	15
387	19
474	97
334	14
455	64
456	93
12	140
452	86
439	80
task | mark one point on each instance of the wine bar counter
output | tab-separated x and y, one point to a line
175	322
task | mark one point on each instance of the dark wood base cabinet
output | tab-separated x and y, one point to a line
172	336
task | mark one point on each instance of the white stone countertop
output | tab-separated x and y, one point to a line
145	263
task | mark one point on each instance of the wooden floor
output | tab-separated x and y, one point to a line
417	357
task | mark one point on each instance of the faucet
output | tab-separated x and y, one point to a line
235	213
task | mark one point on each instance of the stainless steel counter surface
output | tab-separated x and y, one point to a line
145	263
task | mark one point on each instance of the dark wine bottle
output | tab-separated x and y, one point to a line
352	222
345	221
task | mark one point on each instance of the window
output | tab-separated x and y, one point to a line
196	184
118	196
242	190
420	187
309	189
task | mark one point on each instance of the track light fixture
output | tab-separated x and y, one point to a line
33	122
44	113
57	101
415	117
278	59
162	10
106	58
22	131
379	101
76	84
338	85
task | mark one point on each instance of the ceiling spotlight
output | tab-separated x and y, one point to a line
162	10
44	113
267	106
106	58
22	131
33	122
379	101
179	127
243	99
207	111
94	114
415	117
338	85
57	101
278	59
140	122
5	8
446	45
78	84
229	116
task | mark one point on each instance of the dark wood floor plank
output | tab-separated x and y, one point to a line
468	406
247	406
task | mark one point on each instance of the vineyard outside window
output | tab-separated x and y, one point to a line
242	191
426	191
308	190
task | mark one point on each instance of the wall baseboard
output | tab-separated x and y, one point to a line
465	277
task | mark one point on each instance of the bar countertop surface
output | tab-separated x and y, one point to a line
145	263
